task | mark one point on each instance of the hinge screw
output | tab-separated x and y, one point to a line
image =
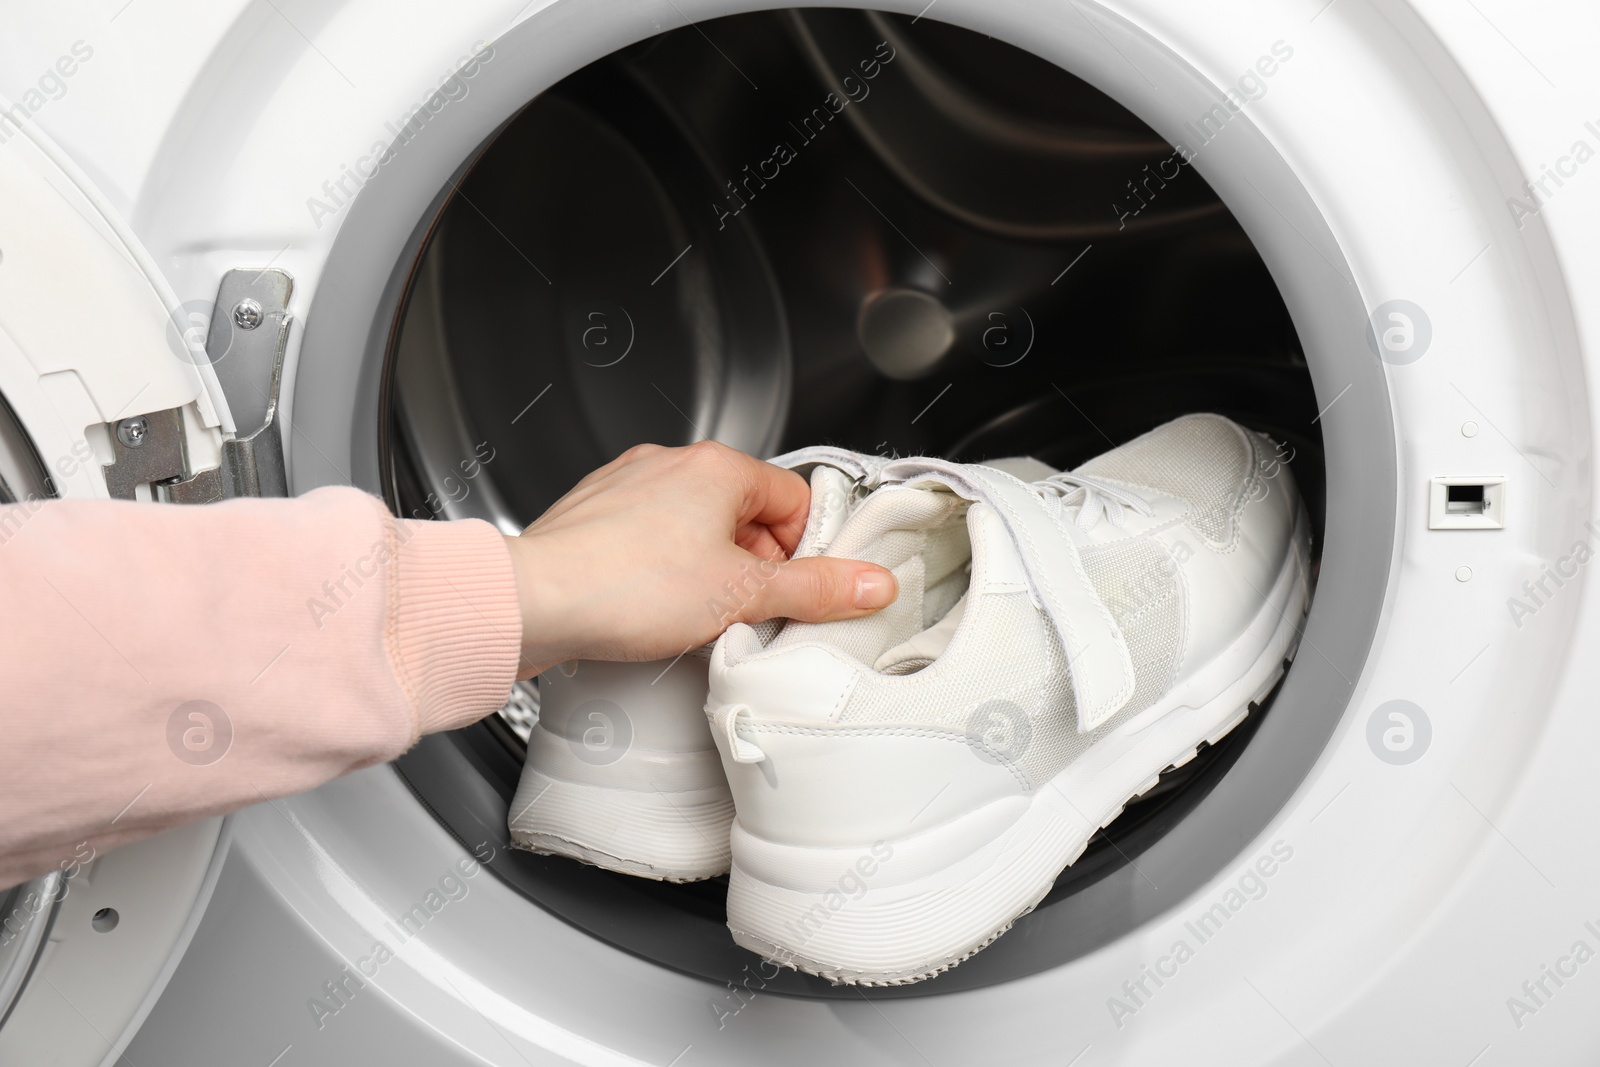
247	314
132	432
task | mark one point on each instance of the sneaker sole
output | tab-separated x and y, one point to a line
947	893
663	824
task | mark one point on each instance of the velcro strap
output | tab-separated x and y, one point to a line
859	466
1097	653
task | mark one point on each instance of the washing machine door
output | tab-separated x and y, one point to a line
105	391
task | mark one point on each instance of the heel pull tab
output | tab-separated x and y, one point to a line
725	723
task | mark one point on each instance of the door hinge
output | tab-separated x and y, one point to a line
245	343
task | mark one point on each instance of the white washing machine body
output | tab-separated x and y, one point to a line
1410	883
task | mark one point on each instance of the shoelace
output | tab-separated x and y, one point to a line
1092	497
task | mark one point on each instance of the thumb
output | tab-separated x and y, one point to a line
823	589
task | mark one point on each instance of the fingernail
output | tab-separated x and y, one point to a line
874	589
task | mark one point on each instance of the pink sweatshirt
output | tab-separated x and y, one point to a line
164	662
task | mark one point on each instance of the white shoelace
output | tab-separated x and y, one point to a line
1092	497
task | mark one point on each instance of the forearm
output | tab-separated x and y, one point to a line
167	662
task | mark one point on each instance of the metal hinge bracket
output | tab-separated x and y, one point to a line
245	343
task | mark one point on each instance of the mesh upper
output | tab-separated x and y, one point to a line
1009	653
1204	459
1006	655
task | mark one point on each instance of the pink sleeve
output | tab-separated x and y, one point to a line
166	662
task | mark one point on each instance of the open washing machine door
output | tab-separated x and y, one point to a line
975	229
106	390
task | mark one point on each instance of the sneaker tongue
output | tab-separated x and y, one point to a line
831	493
920	535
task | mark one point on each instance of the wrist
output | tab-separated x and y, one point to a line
539	598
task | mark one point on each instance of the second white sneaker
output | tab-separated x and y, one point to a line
908	784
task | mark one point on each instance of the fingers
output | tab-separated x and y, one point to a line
762	495
823	589
769	496
758	541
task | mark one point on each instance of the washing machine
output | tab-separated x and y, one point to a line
459	254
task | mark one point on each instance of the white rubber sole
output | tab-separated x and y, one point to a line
660	815
892	913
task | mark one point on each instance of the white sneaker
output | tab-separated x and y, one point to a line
621	769
910	783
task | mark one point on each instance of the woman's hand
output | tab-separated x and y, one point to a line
662	549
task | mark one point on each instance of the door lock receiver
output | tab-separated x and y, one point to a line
1467	503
